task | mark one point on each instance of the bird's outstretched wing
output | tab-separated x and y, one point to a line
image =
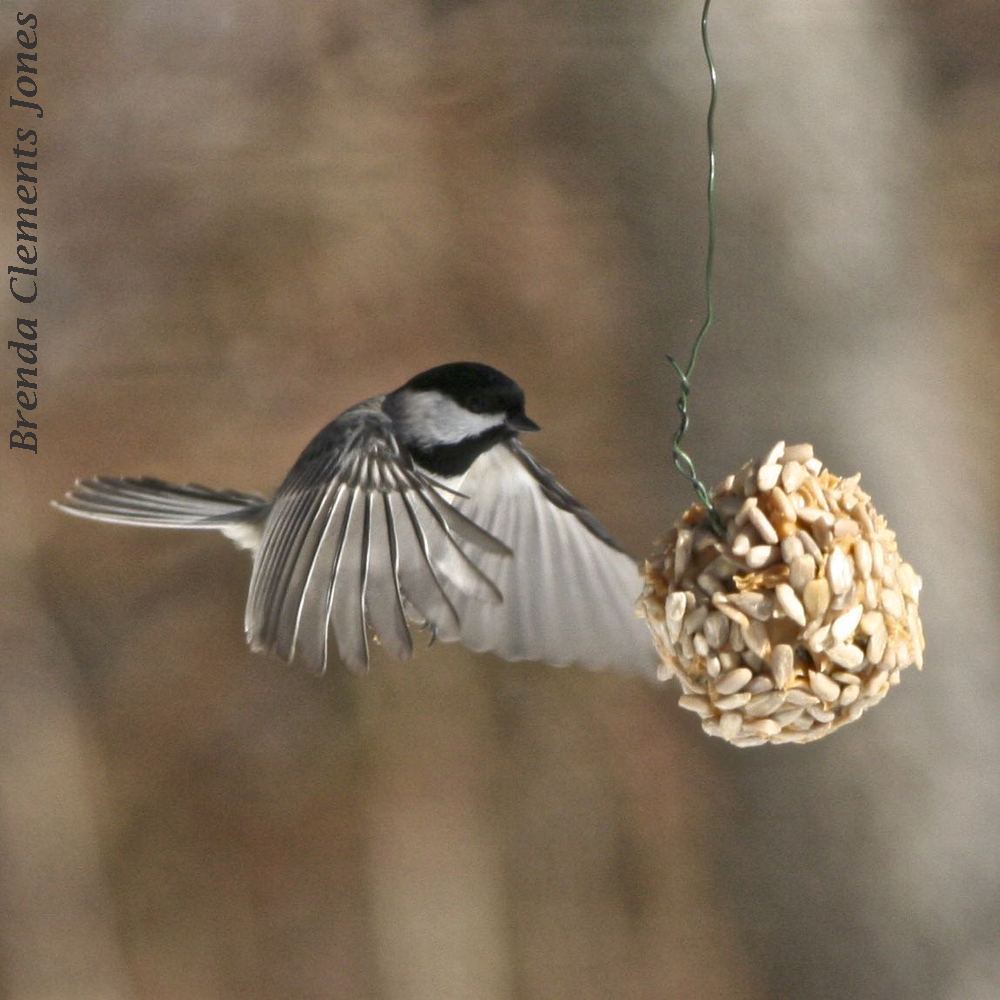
359	539
569	590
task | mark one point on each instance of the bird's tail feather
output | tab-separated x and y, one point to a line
153	503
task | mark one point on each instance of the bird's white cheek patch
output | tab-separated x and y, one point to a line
429	418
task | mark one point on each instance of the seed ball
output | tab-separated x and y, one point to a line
797	618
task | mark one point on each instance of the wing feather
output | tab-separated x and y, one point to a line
316	602
359	539
309	581
420	581
386	603
569	591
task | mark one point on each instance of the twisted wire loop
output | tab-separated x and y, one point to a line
682	460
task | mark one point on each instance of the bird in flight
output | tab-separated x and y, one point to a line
419	507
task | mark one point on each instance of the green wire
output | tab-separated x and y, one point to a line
682	461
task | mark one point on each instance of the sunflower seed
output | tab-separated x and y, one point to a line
700	644
839	572
890	659
782	664
871	623
821	714
801	570
823	687
695	618
797	453
892	603
876	645
716	629
792	475
708	583
877	683
713	667
763	727
736	641
809	544
845	600
760	555
832	498
813	493
682	551
908	581
791	548
847	655
733	614
878	560
741	544
844	625
764	527
730	725
764	704
802	724
748	505
844	527
674	608
863	558
813	466
729	660
817	640
696	703
864	519
787	715
755	636
810	515
687	647
754	603
790	604
823	533
731	702
845	677
785	506
749	741
767	476
849	694
775	454
760	684
733	681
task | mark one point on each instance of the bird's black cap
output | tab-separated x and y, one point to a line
479	388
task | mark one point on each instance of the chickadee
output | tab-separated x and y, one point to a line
420	506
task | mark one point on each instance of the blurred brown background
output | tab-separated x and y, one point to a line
254	214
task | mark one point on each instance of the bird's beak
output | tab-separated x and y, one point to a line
521	422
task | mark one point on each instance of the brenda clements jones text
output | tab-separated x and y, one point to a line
23	277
